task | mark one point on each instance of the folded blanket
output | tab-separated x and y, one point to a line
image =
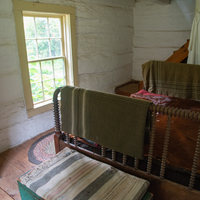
172	79
115	121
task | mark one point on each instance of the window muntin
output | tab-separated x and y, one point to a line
45	55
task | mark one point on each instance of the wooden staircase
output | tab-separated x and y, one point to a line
180	56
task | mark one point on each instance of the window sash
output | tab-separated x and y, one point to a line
53	78
51	58
48	16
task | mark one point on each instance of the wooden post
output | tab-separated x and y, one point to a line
57	135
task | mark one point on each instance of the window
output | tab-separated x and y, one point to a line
47	50
45	54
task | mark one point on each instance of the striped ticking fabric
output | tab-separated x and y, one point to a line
78	177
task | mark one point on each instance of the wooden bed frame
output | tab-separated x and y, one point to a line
160	187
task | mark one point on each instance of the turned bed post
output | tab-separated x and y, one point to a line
57	135
195	162
152	138
165	147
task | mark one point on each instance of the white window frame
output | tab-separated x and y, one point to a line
68	14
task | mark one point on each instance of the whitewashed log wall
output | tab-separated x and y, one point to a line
105	41
110	52
159	29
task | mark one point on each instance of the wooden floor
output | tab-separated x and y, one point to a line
14	163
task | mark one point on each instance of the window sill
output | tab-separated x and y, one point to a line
40	108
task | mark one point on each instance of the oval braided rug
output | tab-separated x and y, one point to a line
42	149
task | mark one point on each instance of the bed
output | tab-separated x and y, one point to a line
160	157
140	156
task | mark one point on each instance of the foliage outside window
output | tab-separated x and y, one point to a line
43	37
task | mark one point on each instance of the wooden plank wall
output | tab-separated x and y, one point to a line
159	29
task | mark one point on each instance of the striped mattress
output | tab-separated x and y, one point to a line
71	175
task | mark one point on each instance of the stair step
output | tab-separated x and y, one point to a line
179	55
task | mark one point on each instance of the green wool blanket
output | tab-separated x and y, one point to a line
114	121
172	79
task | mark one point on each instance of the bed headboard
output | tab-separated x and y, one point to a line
172	79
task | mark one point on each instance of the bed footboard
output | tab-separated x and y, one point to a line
62	140
184	114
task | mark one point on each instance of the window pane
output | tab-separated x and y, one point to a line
41	27
34	72
59	68
47	71
43	48
37	94
54	27
48	89
31	49
55	47
29	27
60	82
